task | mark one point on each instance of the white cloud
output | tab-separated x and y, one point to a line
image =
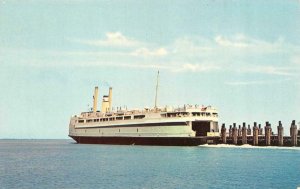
238	43
272	70
255	82
295	60
147	52
239	83
192	46
188	67
250	45
239	53
113	39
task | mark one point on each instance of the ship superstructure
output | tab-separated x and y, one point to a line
149	126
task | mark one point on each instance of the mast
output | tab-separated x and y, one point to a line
95	98
110	98
155	106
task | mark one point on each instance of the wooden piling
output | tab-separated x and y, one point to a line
249	130
293	133
234	134
244	134
230	132
255	134
223	133
260	130
268	131
280	134
239	131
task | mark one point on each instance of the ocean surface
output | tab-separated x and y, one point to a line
65	164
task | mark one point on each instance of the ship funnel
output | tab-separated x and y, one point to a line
95	97
105	104
110	98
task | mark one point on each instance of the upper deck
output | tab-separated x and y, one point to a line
187	111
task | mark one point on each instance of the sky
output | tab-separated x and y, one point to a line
242	57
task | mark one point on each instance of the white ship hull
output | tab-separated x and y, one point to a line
189	130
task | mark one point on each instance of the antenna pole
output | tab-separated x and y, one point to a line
155	106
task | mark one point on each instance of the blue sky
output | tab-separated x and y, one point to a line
242	57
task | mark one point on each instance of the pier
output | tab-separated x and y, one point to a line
257	136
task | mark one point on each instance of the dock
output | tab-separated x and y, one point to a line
257	136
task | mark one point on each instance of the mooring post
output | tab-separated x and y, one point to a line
293	133
244	134
280	134
255	134
260	130
268	131
234	134
249	130
230	132
223	133
239	131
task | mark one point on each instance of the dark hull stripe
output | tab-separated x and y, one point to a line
157	141
139	125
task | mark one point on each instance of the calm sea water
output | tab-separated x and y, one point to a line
64	164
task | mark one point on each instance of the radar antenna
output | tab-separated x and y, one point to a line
155	106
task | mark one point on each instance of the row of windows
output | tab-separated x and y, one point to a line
173	114
111	119
183	114
137	130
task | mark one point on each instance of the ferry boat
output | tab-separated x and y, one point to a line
189	125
